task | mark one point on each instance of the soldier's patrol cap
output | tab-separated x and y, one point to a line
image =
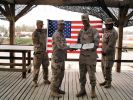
109	21
61	22
85	17
39	21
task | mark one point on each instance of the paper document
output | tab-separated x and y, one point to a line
75	46
88	46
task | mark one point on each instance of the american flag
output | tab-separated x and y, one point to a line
71	32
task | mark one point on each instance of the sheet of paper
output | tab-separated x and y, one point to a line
88	46
75	46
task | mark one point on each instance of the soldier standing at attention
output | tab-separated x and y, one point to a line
39	38
88	57
108	52
59	56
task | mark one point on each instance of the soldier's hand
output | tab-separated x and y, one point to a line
94	48
103	53
71	49
37	45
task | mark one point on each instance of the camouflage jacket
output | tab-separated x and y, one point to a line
109	41
89	36
59	46
39	38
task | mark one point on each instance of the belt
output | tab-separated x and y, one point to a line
57	60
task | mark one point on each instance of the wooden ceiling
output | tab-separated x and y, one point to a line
109	3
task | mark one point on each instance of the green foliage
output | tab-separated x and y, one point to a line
24	41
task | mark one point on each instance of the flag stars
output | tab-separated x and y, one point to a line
52	26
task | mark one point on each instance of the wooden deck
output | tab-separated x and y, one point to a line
13	87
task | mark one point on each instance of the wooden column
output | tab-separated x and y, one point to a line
119	51
122	15
12	31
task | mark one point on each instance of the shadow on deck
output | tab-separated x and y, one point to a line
13	87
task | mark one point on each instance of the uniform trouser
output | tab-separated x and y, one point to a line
107	65
57	75
91	69
39	59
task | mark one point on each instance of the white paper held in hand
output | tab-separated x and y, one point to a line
75	46
88	46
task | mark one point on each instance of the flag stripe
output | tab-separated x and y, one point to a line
92	21
75	37
98	52
50	46
75	28
68	41
79	27
76	32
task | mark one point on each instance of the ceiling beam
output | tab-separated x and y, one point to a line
108	12
3	12
25	10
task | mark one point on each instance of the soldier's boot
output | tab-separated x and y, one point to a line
108	85
45	76
35	83
55	94
82	92
61	91
103	83
93	93
47	81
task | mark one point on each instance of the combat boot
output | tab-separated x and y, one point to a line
35	83
47	82
61	91
55	94
82	92
93	93
103	83
107	85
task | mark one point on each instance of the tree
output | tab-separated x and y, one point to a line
12	13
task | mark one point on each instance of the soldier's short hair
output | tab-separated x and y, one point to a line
39	21
61	22
85	17
109	21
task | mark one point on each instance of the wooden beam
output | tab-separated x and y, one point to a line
105	8
4	12
23	12
12	24
122	14
128	17
8	11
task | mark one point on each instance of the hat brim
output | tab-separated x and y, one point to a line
109	23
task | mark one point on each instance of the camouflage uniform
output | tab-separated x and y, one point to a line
59	56
39	38
108	46
87	59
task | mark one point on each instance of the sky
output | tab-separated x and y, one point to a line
44	12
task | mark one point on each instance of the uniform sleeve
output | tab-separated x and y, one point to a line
79	35
35	39
112	42
59	42
96	39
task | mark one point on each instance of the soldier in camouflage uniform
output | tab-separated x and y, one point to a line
59	56
39	38
88	57
108	52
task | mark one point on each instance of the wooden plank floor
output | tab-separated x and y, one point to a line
13	87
